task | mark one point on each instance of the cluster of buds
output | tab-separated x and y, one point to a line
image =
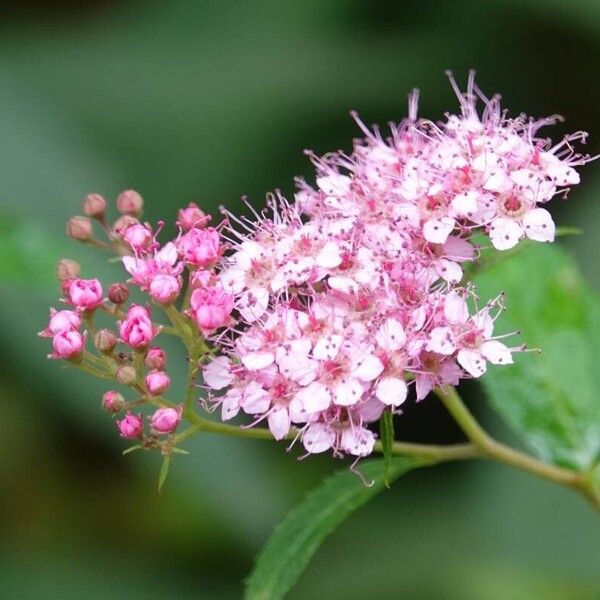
322	313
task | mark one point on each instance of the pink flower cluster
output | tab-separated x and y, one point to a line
352	293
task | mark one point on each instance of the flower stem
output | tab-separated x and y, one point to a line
490	448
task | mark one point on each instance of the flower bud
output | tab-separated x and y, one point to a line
85	293
80	228
118	293
155	358
105	341
113	402
67	269
157	382
126	375
200	278
200	247
164	288
130	202
136	329
192	216
61	320
211	307
131	426
67	344
165	420
94	205
138	236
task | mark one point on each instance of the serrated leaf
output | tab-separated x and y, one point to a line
386	432
164	471
550	398
295	540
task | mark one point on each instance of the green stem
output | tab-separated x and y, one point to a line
180	324
490	448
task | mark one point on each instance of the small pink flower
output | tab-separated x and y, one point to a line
164	288
211	307
131	426
155	358
137	330
138	236
113	401
67	344
157	382
200	247
61	320
165	420
192	216
85	293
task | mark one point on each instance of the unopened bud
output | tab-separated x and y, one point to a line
67	269
130	202
126	375
155	358
105	340
94	205
122	224
191	216
79	228
113	402
118	293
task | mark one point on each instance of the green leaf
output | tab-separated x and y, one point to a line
551	398
295	540
386	431
164	471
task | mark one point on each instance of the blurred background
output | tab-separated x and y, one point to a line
205	101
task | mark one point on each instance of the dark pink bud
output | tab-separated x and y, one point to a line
105	341
192	216
211	307
200	247
157	382
85	293
131	426
136	329
67	269
94	205
67	344
118	293
155	358
61	320
164	288
165	420
80	228
130	202
138	236
113	401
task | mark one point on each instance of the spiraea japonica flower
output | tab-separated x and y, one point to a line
320	313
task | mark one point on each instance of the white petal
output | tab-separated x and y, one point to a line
314	398
329	256
257	360
391	335
458	249
298	368
448	270
484	322
505	233
167	254
358	442
230	405
343	284
465	204
347	392
391	391
425	383
472	362
496	352
456	309
318	438
233	280
335	184
327	347
367	368
437	231
255	399
441	340
279	422
538	225
217	374
253	304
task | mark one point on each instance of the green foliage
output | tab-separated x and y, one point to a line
297	538
386	432
551	398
